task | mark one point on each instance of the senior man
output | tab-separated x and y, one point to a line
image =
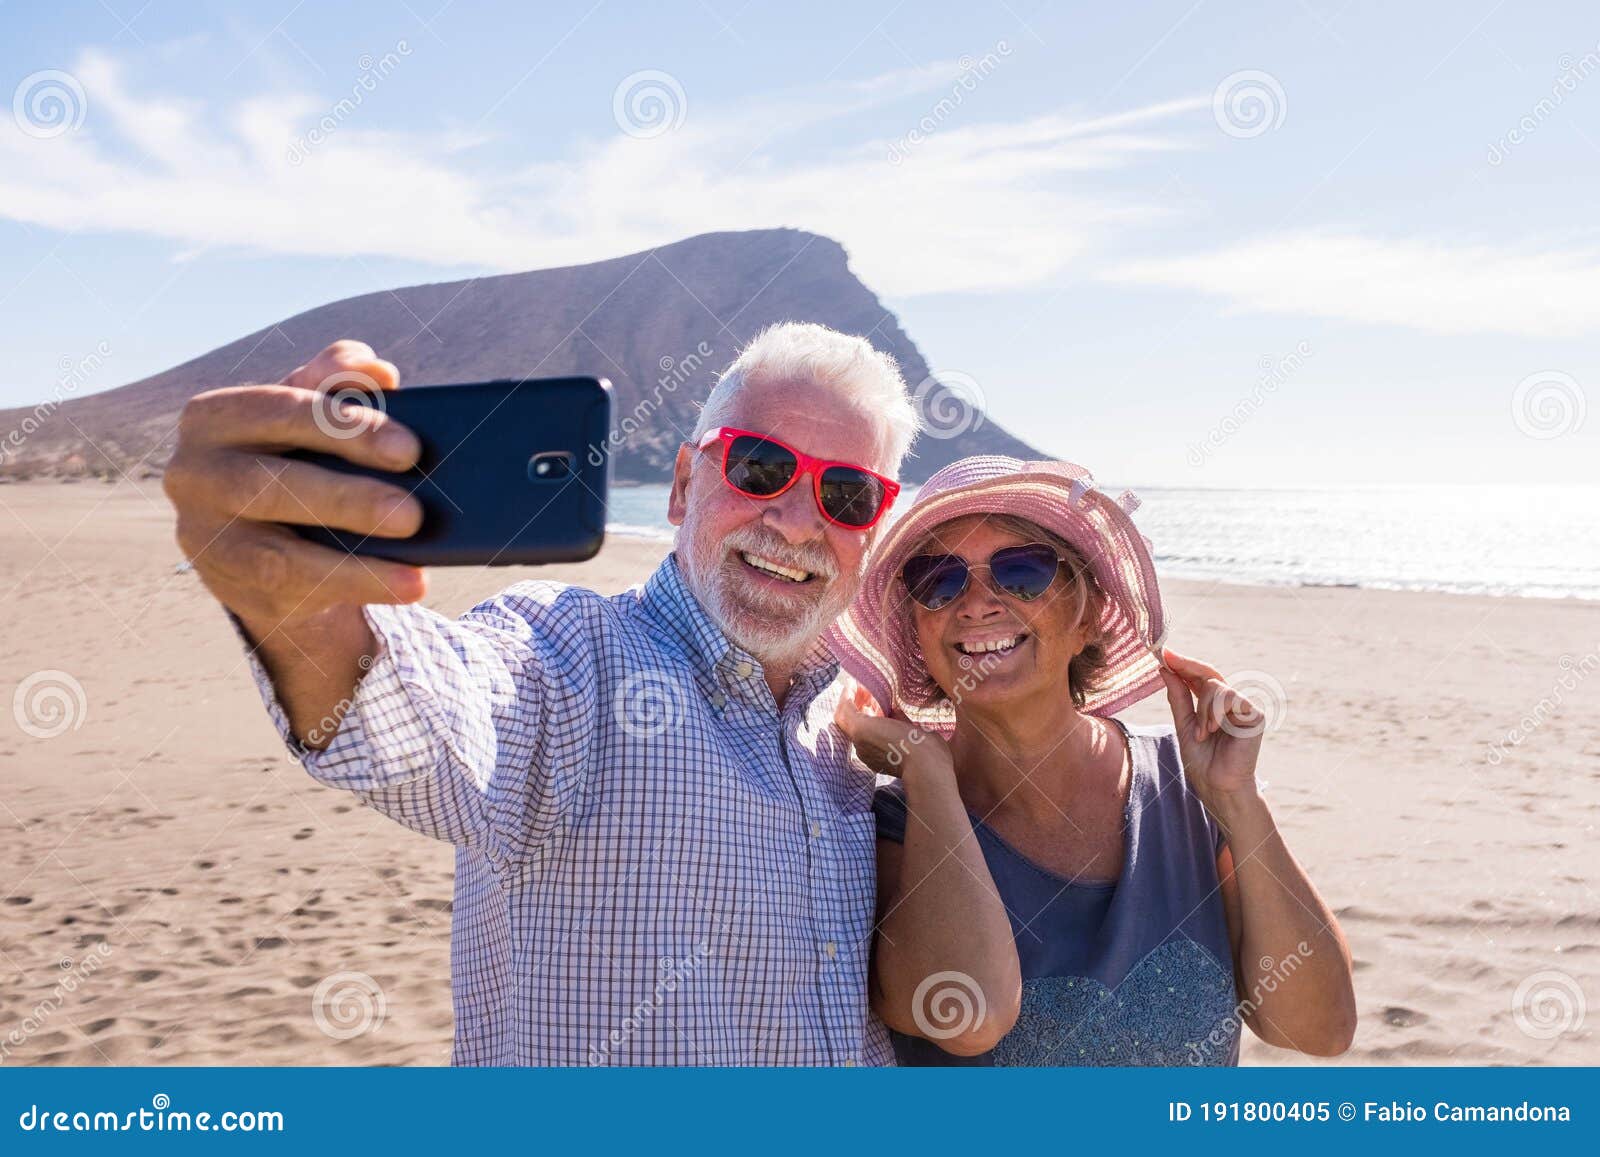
663	853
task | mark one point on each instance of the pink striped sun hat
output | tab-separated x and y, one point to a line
875	641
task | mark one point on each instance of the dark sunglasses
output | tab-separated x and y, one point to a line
759	466
1023	572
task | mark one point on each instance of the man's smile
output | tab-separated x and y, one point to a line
776	569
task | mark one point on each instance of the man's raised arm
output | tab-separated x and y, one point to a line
438	723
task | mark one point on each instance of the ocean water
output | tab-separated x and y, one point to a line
1530	541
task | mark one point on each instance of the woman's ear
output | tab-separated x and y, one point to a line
1091	609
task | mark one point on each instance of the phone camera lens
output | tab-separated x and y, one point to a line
551	466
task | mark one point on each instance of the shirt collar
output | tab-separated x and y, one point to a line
720	667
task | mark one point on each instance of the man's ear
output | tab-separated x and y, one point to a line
678	500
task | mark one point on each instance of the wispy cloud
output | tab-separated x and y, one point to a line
974	206
1432	286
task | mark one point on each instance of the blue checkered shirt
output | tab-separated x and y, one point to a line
654	865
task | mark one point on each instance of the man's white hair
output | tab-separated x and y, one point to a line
865	379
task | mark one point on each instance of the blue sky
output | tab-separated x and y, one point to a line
1192	243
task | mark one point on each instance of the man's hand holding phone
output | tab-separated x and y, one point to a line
301	502
234	492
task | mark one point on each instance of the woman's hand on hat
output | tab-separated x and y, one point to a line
888	746
1219	729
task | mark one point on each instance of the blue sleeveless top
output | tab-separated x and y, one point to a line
1138	971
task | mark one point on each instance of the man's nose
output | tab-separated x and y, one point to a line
794	513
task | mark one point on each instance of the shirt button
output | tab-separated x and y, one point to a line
743	669
849	1062
831	948
718	699
816	830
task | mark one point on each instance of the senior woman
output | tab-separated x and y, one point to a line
1056	887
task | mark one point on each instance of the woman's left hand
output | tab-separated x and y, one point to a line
1219	730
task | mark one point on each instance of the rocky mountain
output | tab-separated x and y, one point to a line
660	324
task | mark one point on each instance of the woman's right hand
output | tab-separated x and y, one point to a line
888	746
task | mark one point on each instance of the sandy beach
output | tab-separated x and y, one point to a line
175	890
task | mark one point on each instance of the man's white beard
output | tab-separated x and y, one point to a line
779	631
776	637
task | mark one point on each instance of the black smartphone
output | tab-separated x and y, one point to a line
511	472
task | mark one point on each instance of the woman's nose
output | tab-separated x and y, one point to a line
980	600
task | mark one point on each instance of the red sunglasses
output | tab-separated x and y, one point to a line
759	466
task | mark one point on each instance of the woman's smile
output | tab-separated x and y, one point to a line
991	643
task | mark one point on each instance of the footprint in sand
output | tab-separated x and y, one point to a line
1403	1017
